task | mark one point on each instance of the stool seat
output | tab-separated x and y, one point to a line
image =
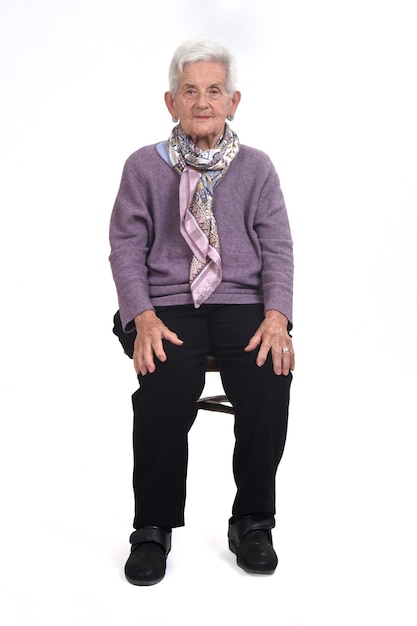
211	364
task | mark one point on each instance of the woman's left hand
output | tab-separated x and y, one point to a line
272	335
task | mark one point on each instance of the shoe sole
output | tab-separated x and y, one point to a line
144	583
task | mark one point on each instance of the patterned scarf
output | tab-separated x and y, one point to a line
200	172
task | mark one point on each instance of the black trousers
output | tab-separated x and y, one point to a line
165	408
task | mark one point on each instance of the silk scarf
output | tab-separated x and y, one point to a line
201	171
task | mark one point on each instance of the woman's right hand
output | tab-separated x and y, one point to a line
151	331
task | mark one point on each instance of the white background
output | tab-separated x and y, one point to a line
328	90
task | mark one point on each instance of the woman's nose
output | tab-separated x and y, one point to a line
201	100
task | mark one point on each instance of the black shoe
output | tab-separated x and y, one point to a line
250	539
146	564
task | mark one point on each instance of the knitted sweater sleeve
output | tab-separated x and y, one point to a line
131	232
273	230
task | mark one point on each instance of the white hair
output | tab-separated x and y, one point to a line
196	50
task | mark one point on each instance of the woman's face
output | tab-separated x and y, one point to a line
202	103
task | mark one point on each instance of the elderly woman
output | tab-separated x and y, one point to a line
201	255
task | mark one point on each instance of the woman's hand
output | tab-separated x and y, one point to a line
150	332
272	335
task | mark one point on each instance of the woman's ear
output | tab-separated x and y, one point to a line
235	102
170	103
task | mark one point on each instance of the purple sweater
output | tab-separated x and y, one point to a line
150	260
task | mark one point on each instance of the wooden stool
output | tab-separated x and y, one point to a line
214	403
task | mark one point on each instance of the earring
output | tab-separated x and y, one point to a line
174	119
230	118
